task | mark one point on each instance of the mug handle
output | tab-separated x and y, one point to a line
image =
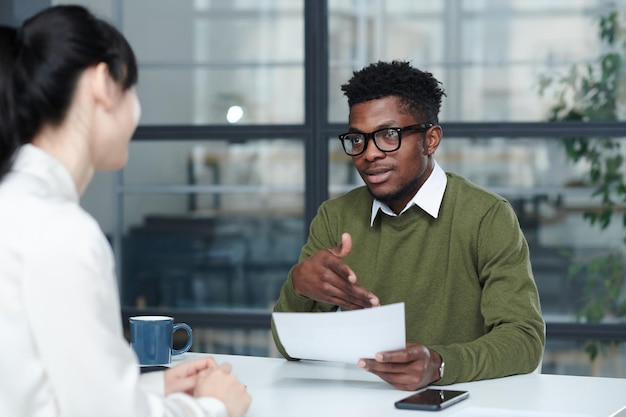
189	337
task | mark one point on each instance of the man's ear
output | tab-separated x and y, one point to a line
102	86
432	139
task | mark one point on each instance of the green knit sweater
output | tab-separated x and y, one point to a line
465	277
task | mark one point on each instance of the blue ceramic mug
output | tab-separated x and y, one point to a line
151	339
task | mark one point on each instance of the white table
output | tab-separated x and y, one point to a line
280	388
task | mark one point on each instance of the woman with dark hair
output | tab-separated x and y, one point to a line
68	107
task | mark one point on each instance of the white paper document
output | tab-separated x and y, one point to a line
343	336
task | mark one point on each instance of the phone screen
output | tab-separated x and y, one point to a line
432	399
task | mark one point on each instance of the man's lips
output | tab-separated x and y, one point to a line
377	175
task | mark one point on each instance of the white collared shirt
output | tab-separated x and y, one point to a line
63	350
428	197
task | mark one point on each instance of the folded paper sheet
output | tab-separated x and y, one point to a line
344	336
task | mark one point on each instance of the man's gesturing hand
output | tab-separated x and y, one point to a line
325	277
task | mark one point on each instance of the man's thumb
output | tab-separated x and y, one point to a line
346	245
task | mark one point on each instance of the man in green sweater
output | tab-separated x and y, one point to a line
452	252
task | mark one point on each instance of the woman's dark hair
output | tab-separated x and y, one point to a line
40	64
419	91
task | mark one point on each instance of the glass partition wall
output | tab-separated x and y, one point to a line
238	146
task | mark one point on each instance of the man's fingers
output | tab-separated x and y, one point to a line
411	353
325	277
380	368
344	271
344	248
406	376
347	294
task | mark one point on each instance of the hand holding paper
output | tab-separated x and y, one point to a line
344	336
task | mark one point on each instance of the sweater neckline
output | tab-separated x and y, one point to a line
412	215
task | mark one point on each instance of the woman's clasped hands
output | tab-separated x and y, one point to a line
206	378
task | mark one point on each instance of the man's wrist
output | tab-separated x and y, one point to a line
440	365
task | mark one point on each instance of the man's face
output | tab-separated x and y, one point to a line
393	177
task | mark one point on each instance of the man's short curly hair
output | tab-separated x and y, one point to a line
419	91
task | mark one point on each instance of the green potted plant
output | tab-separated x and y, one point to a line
592	92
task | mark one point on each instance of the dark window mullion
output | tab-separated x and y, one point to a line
316	103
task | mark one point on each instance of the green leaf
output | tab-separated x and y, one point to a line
591	91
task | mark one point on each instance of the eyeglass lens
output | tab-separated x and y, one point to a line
387	140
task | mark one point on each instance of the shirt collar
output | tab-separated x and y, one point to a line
428	197
38	163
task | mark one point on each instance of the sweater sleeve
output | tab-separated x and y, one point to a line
515	330
320	238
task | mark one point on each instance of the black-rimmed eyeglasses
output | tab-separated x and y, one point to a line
386	140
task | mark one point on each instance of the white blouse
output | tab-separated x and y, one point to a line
62	349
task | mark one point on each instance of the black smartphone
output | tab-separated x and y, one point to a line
432	399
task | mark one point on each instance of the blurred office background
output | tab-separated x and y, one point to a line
238	146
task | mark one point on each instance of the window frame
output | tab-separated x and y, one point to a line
315	132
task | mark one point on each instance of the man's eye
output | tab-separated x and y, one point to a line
357	140
391	133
